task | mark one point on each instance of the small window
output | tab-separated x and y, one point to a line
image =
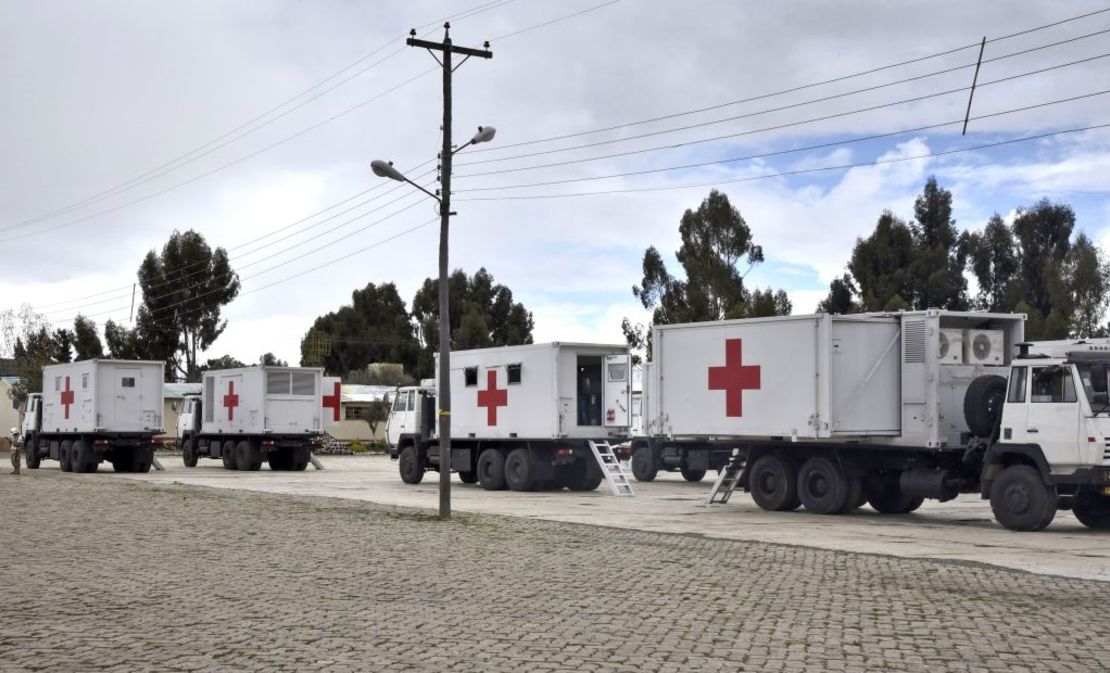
57	384
352	413
412	400
1017	385
304	383
402	403
514	373
127	382
277	383
470	376
84	382
1053	385
618	372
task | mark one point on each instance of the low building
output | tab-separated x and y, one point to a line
357	404
9	409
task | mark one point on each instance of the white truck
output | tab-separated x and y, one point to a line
247	415
95	410
522	416
832	411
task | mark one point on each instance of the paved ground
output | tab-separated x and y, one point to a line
112	574
961	530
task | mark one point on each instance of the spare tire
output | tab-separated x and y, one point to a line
983	404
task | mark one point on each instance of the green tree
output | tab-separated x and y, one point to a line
841	297
86	339
222	362
880	265
374	327
937	269
993	260
122	343
184	290
271	360
715	241
1043	235
482	314
64	340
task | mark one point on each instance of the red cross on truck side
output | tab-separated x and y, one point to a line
734	378
67	398
491	398
231	400
332	402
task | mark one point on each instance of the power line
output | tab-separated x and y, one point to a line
795	89
803	171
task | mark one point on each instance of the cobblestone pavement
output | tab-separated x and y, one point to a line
122	575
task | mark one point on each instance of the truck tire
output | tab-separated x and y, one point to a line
227	454
822	486
491	470
298	459
468	476
1092	510
189	453
280	460
886	497
142	457
121	462
983	404
856	498
643	464
31	453
582	475
692	475
1021	500
80	458
64	457
518	470
247	458
773	484
412	472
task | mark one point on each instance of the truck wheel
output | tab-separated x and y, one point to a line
773	484
298	459
643	464
227	453
412	472
983	404
32	457
1020	499
141	459
64	458
886	497
468	476
856	497
121	462
822	486
79	458
491	470
692	475
280	460
518	470
1092	510
582	475
189	453
247	458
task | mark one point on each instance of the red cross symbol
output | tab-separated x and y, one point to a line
734	378
67	398
332	402
491	398
231	400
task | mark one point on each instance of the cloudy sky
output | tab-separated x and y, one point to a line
254	123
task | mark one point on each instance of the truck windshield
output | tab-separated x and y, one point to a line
1093	378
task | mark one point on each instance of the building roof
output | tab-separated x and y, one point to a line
176	391
355	393
10	380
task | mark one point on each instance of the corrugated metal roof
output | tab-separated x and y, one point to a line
179	390
355	393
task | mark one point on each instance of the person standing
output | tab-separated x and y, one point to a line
17	445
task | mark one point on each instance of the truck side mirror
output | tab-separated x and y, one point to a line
1098	378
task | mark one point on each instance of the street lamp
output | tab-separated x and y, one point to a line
385	169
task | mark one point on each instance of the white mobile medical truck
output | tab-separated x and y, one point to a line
522	417
831	411
246	415
95	410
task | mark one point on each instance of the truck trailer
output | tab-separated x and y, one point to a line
95	410
249	415
832	411
522	417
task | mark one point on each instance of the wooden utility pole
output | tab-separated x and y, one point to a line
443	388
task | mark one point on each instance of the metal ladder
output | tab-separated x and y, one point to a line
611	468
727	480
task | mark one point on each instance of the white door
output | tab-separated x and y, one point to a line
229	402
1051	415
128	402
617	391
396	425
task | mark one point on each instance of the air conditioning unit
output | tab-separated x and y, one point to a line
984	347
951	350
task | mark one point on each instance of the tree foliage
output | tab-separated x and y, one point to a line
271	360
25	335
374	327
222	362
715	241
86	339
482	314
184	290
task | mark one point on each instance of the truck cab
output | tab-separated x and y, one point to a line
411	418
29	428
188	421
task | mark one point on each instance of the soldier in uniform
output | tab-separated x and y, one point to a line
15	450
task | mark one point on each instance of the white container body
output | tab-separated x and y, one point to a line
541	391
331	402
262	401
878	378
102	396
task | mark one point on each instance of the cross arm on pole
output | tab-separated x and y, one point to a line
455	49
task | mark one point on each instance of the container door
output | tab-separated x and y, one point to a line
228	390
617	395
128	403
